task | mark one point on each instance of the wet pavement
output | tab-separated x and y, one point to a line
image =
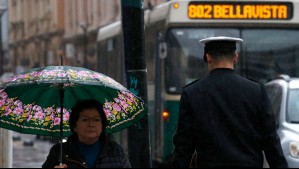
28	151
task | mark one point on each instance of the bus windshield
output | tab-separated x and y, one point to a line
263	54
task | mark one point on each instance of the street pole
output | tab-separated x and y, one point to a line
1	42
5	135
1	47
5	148
135	66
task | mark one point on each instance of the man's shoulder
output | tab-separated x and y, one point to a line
191	83
253	80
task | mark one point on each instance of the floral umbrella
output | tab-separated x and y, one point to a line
40	101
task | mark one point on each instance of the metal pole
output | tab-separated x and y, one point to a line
1	46
61	94
5	135
5	148
135	66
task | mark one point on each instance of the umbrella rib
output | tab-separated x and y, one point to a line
76	98
34	87
104	91
40	95
90	93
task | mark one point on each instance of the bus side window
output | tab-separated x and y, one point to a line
110	44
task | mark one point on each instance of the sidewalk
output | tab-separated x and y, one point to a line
26	155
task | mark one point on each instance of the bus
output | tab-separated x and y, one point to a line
174	57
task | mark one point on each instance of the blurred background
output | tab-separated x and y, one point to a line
91	34
36	33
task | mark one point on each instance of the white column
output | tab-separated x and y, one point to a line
5	148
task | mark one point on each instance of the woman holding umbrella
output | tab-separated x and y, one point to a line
88	146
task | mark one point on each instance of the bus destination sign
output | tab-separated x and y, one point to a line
240	10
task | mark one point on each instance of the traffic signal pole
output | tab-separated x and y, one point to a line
5	148
135	67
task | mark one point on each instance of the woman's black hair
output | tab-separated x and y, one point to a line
86	104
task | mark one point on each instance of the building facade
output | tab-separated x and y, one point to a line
35	28
43	31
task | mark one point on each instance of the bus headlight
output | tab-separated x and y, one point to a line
294	149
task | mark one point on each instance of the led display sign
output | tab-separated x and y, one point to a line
240	10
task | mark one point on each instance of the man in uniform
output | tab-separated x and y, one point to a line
225	118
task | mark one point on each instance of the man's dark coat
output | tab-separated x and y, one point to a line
228	120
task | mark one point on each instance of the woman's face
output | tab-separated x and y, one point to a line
89	126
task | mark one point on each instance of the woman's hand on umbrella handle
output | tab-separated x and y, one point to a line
61	166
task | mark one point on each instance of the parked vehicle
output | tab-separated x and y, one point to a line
284	95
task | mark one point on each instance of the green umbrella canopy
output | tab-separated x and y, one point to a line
30	102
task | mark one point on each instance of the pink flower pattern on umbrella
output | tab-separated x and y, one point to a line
15	109
123	102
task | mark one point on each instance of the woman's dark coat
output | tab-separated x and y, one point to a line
111	155
228	120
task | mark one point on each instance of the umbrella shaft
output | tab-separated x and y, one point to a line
61	93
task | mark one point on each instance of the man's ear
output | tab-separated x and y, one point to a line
209	58
235	59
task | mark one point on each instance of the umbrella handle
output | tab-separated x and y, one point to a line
60	155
